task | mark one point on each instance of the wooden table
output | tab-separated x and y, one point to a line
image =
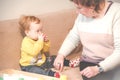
17	72
71	73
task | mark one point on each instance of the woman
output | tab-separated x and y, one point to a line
97	29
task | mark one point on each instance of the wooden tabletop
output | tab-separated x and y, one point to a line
17	72
71	73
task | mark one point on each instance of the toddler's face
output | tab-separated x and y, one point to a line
35	29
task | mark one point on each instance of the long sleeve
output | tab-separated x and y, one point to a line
32	48
31	52
114	59
46	46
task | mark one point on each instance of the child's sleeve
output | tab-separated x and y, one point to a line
46	46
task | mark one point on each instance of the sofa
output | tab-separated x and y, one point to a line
55	24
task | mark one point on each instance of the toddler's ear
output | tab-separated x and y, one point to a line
27	32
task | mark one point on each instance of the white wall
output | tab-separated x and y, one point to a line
116	0
12	9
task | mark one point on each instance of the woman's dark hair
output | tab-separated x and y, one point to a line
98	4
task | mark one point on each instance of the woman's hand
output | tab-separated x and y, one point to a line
90	71
58	63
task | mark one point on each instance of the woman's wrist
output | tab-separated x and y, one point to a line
61	55
100	68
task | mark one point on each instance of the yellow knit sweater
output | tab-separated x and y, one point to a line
32	52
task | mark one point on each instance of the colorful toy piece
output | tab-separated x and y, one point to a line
74	63
63	77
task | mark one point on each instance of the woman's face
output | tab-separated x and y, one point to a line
86	11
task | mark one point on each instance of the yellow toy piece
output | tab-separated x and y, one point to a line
41	79
63	77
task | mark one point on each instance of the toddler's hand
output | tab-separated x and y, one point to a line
46	39
41	36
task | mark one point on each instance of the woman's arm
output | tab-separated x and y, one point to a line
114	59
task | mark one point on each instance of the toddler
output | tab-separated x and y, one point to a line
35	45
